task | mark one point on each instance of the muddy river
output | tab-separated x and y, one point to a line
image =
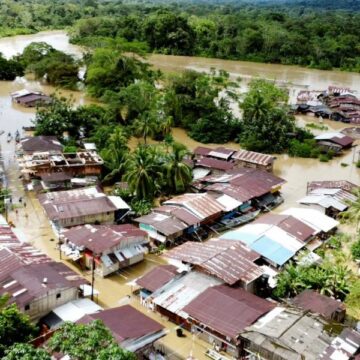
115	290
296	171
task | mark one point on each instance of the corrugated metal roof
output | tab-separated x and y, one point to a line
211	308
40	143
201	205
313	218
254	157
317	303
101	238
336	184
157	277
214	164
201	150
79	202
176	295
324	201
226	260
125	322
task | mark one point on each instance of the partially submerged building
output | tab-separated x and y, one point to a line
252	159
220	313
36	287
251	187
287	334
231	262
330	309
133	330
82	206
30	98
38	144
171	299
330	197
334	141
106	247
279	237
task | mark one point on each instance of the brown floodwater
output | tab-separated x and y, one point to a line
297	172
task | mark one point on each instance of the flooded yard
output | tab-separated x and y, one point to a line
115	290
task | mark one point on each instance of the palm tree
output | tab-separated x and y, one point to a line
143	173
115	153
353	212
256	107
145	125
179	173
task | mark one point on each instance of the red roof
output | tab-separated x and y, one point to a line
157	277
201	150
125	322
215	164
343	141
226	310
317	303
254	157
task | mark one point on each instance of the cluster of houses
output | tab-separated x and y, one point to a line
50	293
218	289
339	104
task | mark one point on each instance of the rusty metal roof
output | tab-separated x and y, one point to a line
227	260
290	224
201	150
100	238
26	283
125	323
226	310
317	303
40	143
340	184
157	277
181	214
75	203
254	157
200	205
215	164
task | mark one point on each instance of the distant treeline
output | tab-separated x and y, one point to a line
290	33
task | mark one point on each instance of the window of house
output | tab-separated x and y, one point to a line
27	307
58	295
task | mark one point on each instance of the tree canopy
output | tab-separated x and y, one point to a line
91	341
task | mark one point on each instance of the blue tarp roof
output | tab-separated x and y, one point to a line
272	250
263	245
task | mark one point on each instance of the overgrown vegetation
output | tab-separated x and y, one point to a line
303	34
329	279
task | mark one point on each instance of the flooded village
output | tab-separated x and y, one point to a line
195	274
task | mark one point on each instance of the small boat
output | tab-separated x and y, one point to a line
236	221
9	137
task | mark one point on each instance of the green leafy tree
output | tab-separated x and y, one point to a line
352	214
25	352
54	119
91	341
355	250
15	327
266	124
10	69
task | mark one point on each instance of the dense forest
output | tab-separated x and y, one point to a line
293	32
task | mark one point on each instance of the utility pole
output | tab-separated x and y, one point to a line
92	277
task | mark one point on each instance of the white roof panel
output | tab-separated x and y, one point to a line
119	202
76	309
228	202
284	239
313	218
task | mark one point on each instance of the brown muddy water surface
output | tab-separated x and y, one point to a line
116	289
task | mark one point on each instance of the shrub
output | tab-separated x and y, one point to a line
324	158
355	250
